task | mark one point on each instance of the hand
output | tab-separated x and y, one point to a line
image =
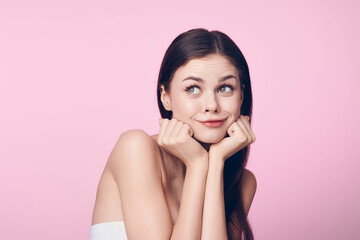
241	136
176	137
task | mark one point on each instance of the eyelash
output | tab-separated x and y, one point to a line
222	86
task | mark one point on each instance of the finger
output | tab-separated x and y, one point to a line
248	124
163	127
244	128
246	121
186	131
169	130
235	129
177	129
190	130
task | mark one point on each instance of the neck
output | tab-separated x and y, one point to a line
205	145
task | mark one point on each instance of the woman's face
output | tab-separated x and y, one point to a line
205	89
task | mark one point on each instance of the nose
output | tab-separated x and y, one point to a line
211	103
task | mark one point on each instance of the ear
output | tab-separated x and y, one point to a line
165	98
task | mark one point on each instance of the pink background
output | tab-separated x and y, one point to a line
74	75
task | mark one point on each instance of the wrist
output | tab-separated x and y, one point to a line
201	163
216	161
213	157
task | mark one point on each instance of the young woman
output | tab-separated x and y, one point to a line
189	181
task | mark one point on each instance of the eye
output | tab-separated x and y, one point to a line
193	89
225	88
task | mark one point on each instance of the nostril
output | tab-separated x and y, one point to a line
207	110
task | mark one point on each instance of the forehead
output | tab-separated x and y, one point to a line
213	65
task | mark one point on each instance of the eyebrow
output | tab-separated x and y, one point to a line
222	79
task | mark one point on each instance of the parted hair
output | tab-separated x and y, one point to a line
197	43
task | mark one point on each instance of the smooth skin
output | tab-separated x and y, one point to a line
176	137
153	182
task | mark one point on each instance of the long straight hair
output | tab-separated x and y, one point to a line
198	43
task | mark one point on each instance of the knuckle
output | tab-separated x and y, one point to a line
186	128
165	142
243	139
172	141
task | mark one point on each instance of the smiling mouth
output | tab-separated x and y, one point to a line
215	123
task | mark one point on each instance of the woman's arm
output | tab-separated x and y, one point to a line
136	170
176	138
214	222
135	167
189	222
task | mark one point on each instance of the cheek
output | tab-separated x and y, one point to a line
184	108
232	106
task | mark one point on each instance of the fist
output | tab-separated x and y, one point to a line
176	137
240	136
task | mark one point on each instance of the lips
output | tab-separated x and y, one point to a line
213	122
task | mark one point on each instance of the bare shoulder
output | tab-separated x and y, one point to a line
248	188
134	163
135	145
249	179
135	138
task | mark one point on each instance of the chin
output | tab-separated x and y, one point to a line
209	138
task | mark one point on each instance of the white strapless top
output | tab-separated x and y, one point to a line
108	231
